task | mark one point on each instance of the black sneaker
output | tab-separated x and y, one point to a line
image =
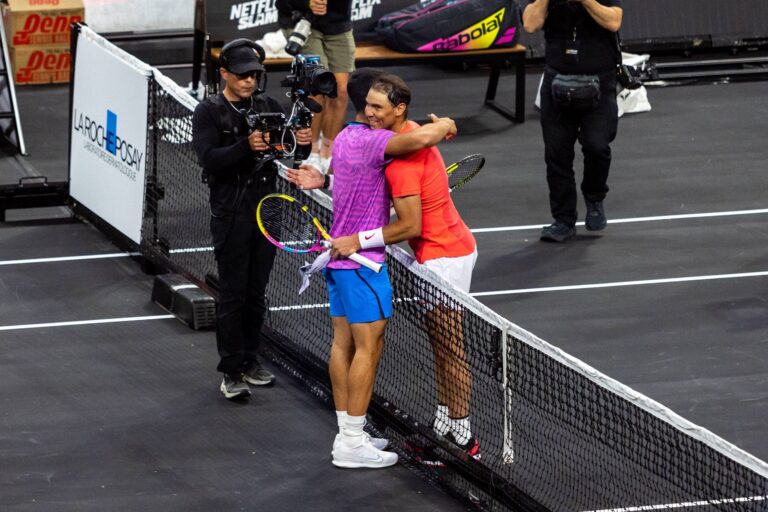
258	375
558	232
595	219
233	387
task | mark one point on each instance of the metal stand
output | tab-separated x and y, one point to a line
10	122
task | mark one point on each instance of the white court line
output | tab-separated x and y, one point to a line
300	307
620	283
191	249
689	504
70	258
85	322
477	230
634	219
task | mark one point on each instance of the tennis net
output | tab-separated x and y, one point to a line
553	433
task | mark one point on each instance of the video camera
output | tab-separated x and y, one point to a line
309	78
306	78
275	125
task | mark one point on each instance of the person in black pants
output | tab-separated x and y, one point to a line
580	40
239	171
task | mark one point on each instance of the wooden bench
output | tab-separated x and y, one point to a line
377	55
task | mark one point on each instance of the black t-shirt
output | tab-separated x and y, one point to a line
595	48
337	20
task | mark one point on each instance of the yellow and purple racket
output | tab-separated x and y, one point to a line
290	226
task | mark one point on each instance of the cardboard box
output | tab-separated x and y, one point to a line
40	65
41	22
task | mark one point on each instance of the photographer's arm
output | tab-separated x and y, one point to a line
534	15
205	140
607	17
422	137
303	139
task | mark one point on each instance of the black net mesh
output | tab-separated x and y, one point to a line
553	434
176	221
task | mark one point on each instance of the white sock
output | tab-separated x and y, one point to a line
352	432
340	417
461	430
442	424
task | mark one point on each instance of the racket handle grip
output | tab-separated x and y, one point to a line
376	267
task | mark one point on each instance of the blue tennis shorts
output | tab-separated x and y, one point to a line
361	295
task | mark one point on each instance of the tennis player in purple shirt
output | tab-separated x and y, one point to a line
361	300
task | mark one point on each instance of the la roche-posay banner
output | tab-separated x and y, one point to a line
109	135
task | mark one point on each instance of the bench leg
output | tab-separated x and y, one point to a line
520	90
518	116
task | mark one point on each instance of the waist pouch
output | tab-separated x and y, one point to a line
576	92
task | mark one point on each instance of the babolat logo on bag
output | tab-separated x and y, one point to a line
451	25
480	35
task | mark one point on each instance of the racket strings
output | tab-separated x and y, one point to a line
464	171
289	225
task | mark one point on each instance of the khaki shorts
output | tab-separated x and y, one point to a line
337	52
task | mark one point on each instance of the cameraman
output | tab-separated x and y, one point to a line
580	40
331	38
239	170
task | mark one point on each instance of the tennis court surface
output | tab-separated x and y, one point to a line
110	404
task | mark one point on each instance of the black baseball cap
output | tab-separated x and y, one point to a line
241	60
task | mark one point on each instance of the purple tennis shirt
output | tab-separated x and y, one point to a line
360	192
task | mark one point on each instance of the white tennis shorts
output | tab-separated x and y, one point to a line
457	271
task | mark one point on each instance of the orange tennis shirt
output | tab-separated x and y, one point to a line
443	233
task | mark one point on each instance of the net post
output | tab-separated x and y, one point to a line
154	191
508	455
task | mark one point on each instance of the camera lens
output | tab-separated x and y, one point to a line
298	37
322	82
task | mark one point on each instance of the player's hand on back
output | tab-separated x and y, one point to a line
450	124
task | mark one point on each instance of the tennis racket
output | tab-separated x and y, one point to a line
290	226
461	172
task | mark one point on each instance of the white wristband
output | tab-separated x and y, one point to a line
371	239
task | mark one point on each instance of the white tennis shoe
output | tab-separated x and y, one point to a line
377	442
365	455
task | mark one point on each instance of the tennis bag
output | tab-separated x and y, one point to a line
451	25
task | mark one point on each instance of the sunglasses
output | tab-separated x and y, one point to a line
244	76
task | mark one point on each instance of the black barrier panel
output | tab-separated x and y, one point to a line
230	19
651	19
696	25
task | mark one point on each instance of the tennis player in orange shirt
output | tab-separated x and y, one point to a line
444	245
